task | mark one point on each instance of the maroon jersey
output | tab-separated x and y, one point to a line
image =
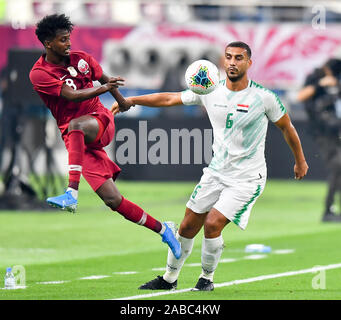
48	79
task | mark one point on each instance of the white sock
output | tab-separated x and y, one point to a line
74	192
163	229
210	255
174	265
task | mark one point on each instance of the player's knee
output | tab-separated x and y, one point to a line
212	228
112	202
185	227
188	230
75	124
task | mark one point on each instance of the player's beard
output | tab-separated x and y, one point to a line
64	56
236	77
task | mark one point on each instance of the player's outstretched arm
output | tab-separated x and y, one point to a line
162	99
123	103
75	95
293	140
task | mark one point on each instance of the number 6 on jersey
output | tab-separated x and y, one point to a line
229	122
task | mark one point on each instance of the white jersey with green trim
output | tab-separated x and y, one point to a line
239	120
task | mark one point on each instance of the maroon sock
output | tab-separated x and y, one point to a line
134	213
76	155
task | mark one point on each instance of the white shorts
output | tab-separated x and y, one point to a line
234	199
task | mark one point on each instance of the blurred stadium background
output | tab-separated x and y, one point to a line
150	44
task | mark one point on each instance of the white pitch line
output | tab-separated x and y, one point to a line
125	272
227	260
53	282
255	257
159	269
236	282
93	277
224	260
284	251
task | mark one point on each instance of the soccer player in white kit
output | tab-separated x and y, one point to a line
239	110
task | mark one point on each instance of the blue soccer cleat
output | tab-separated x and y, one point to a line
169	238
65	202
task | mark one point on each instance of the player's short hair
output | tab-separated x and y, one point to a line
48	26
240	44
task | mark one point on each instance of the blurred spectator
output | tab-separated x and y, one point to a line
153	12
174	80
178	12
321	96
41	9
99	12
7	130
75	9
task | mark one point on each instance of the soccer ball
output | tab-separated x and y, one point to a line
202	77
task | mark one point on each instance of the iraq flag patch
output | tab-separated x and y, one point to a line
243	108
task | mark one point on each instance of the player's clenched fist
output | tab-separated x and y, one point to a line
116	108
114	82
301	170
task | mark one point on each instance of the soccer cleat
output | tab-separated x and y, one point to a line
330	217
203	285
169	238
65	202
159	284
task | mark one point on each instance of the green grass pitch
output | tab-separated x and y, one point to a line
96	254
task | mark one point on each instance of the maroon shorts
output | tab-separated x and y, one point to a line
97	166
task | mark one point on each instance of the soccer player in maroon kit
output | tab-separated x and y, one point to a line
64	81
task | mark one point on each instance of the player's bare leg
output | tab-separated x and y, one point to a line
81	131
88	125
212	248
111	196
191	223
214	224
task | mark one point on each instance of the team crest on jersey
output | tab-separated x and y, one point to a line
72	71
83	66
